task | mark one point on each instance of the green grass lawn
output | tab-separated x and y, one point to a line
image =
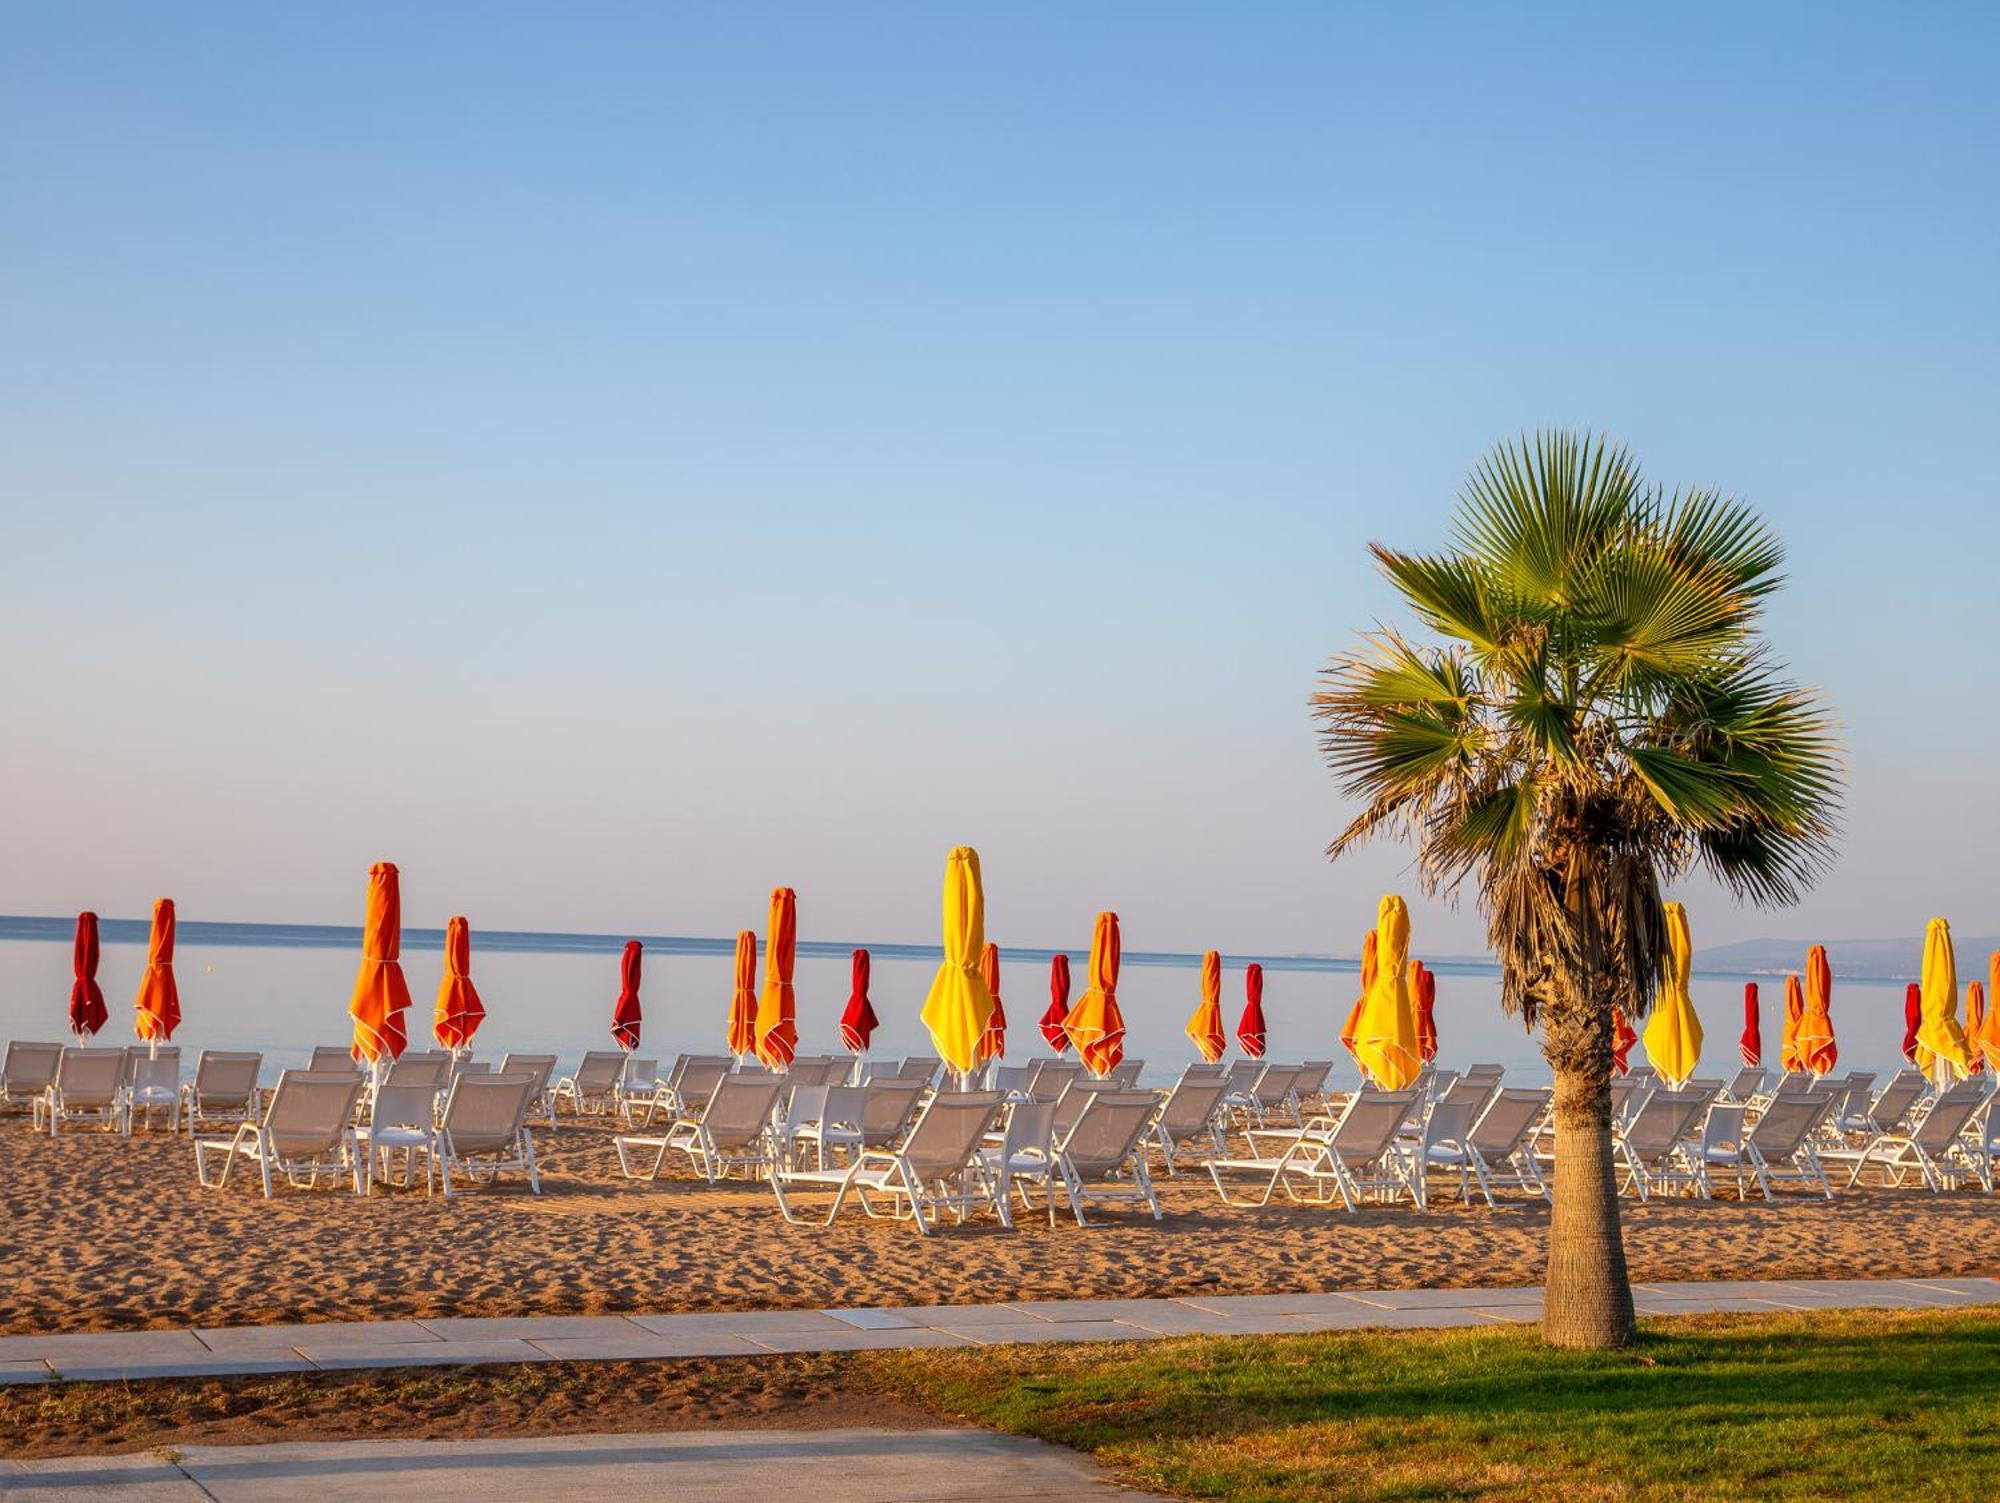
1878	1405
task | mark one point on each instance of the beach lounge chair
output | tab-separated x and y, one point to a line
308	1129
1778	1147
1934	1147
820	1116
1075	1097
541	1102
1352	1157
940	1167
885	1110
1125	1074
1272	1096
593	1087
1189	1120
733	1131
153	1084
1052	1077
1103	1155
1309	1086
1744	1087
27	1074
922	1067
401	1116
1472	1091
638	1081
1009	1080
1243	1075
1494	1148
88	1087
332	1059
1655	1143
1026	1147
483	1131
1886	1111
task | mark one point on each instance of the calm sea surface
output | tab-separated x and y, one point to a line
284	990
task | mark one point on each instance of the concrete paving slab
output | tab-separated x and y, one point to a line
1042	1331
1654	1304
526	1327
1370	1318
25	1372
73	1480
1271	1304
215	1366
884	1339
1971	1291
315	1333
741	1322
875	1318
1447	1299
1163	1316
1700	1289
953	1317
344	1355
647	1346
1847	1288
104	1346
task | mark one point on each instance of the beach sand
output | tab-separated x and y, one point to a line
98	1233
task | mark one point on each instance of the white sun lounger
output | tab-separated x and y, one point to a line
541	1101
1934	1148
1493	1149
223	1091
593	1088
483	1131
939	1168
1103	1156
1655	1143
27	1074
1353	1157
734	1131
89	1086
1777	1148
1189	1121
308	1129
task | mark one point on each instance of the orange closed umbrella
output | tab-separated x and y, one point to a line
777	1008
1369	969
459	1012
1095	1025
157	1009
1205	1025
1789	1058
1817	1051
381	995
993	1038
1989	1032
743	1001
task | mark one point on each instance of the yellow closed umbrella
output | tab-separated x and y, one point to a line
959	1002
1818	1052
1385	1029
1673	1032
1940	1041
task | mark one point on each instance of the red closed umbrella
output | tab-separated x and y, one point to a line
857	1019
625	1012
1424	986
1913	1017
1058	1009
1250	1027
993	1041
1752	1042
87	1012
1623	1037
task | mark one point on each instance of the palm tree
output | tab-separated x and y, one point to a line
1600	717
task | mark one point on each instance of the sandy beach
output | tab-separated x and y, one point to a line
99	1234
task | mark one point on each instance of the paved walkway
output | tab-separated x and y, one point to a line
215	1351
714	1466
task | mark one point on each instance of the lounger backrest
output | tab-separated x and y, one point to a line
160	1074
538	1066
1665	1119
948	1133
1202	1070
886	1109
1312	1077
1450	1121
1275	1085
90	1077
1747	1082
1440	1083
639	1073
1896	1098
600	1070
309	1111
471	1067
1191	1107
226	1077
741	1107
419	1070
137	1054
843	1105
1788	1122
1054	1078
1474	1093
327	1057
1010	1078
1030	1128
402	1104
1108	1132
30	1067
807	1104
1723	1127
1508	1119
699	1077
1075	1097
1486	1072
1125	1074
919	1067
1370	1124
1243	1075
1947	1118
483	1113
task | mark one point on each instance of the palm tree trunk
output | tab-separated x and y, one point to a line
1588	1298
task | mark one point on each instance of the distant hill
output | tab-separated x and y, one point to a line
1860	959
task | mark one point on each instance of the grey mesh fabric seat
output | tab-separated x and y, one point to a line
541	1101
89	1086
593	1088
483	1131
28	1072
1189	1121
152	1085
307	1131
879	1120
733	1131
1493	1147
1052	1078
331	1059
224	1089
1778	1147
1355	1158
1934	1148
1655	1145
940	1167
1744	1086
1103	1155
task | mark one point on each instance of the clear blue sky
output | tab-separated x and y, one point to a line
613	459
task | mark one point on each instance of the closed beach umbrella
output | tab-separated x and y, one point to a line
1989	1036
625	1014
1789	1059
1673	1032
1250	1027
1913	1019
156	1011
1204	1025
1940	1041
381	995
1385	1032
959	1004
1095	1025
743	1000
1424	991
777	1007
87	1012
1622	1039
993	1038
459	1012
1058	1008
1818	1053
1751	1045
1350	1029
857	1019
1975	1026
